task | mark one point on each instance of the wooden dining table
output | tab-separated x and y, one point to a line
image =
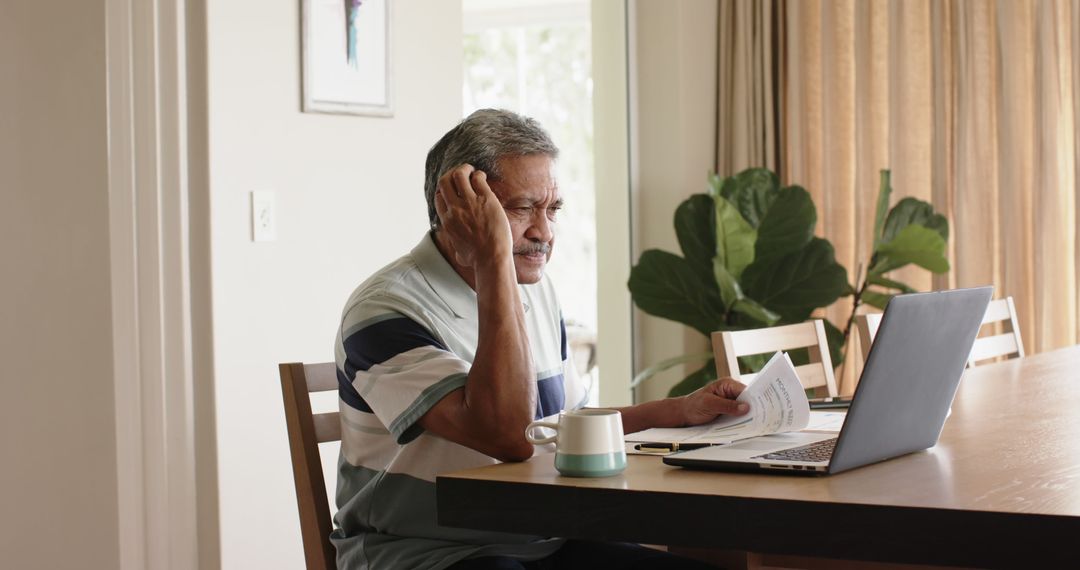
1000	489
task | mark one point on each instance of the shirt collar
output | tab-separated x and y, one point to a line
442	278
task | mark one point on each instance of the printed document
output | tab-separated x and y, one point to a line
777	404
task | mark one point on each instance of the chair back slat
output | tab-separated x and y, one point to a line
728	346
867	326
1001	311
997	310
321	377
304	439
993	346
327	427
772	339
810	376
1008	343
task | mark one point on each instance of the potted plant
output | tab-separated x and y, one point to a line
751	260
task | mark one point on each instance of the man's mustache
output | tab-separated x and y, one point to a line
533	248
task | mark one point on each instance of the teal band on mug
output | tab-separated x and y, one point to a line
592	465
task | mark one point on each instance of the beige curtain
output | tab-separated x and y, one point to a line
748	51
970	104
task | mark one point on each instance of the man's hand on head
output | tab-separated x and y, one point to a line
472	216
712	400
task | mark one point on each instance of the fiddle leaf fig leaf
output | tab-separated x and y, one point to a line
735	238
788	225
795	284
912	211
752	191
890	283
694	222
913	244
882	209
665	285
753	363
716	184
752	309
875	299
730	292
736	301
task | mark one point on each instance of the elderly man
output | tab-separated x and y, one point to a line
445	355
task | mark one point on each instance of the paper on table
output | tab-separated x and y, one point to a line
777	404
823	420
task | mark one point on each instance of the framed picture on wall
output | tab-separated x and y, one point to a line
346	57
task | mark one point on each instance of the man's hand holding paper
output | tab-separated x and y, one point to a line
777	404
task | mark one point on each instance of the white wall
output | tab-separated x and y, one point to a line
674	92
350	199
612	172
58	469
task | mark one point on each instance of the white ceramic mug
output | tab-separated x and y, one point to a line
588	442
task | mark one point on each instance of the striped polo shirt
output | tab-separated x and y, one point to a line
408	337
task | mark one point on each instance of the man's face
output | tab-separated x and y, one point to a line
527	189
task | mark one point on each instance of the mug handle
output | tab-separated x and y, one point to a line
540	440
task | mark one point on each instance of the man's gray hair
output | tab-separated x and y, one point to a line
481	140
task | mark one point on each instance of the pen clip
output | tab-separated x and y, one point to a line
669	447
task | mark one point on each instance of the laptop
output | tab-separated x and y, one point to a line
899	407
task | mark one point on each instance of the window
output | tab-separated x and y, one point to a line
534	57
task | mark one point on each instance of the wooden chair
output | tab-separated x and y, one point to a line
1007	343
867	325
986	347
728	346
582	344
306	432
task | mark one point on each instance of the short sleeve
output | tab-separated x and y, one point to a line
397	369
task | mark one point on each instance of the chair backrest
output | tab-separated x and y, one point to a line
1008	343
728	346
306	432
867	325
582	345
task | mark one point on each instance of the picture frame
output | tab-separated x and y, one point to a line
346	57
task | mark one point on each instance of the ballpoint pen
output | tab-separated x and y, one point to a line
669	446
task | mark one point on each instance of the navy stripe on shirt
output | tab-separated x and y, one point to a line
348	394
376	344
384	340
552	396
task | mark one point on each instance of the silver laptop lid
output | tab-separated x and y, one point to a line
911	375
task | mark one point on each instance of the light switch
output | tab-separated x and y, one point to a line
263	216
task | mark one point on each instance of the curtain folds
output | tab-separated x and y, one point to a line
971	105
747	105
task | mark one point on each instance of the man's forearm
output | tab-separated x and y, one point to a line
703	405
658	413
500	381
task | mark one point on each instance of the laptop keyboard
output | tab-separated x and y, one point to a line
814	452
